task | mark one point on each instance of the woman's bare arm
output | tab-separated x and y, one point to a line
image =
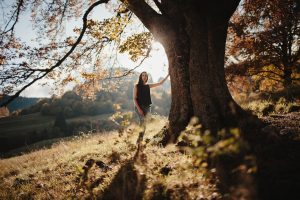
152	85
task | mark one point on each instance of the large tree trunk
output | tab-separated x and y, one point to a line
196	61
195	50
181	107
211	100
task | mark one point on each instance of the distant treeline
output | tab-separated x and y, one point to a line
73	105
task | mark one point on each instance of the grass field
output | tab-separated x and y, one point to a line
114	165
104	166
20	124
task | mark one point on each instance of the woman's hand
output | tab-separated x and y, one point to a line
141	112
159	83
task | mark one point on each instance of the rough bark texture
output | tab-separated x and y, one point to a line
181	107
287	76
177	46
212	102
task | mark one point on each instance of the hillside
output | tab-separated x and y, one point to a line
19	102
123	165
21	131
107	166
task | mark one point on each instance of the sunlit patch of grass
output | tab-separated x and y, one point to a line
268	107
260	108
172	174
283	106
182	180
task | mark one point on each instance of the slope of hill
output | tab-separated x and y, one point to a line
107	166
19	102
21	131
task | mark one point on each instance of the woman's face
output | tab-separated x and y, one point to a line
144	77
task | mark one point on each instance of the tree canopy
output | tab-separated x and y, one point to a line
264	40
79	59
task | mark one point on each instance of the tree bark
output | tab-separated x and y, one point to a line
287	76
195	44
211	100
177	51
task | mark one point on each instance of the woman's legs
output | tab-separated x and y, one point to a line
146	110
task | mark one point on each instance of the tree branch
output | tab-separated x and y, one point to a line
264	71
148	16
63	58
17	11
296	57
159	6
131	70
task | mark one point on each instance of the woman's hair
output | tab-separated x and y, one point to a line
141	80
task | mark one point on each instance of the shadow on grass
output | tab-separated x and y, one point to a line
44	144
128	184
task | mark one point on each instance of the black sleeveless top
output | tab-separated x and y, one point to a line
143	95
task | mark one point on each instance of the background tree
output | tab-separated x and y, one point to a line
264	40
60	122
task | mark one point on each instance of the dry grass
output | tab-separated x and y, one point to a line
65	171
268	107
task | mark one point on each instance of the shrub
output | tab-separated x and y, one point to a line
45	110
60	122
268	109
294	108
281	106
260	107
68	112
77	107
105	108
71	95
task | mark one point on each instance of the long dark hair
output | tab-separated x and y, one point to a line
141	80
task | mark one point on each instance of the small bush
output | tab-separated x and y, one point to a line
260	107
268	109
68	112
294	108
265	107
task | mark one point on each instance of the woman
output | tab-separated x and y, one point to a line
141	95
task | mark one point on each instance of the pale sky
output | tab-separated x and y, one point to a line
156	65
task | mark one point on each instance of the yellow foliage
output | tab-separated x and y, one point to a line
137	45
88	75
68	79
108	28
267	78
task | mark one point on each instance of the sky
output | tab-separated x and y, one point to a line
156	65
